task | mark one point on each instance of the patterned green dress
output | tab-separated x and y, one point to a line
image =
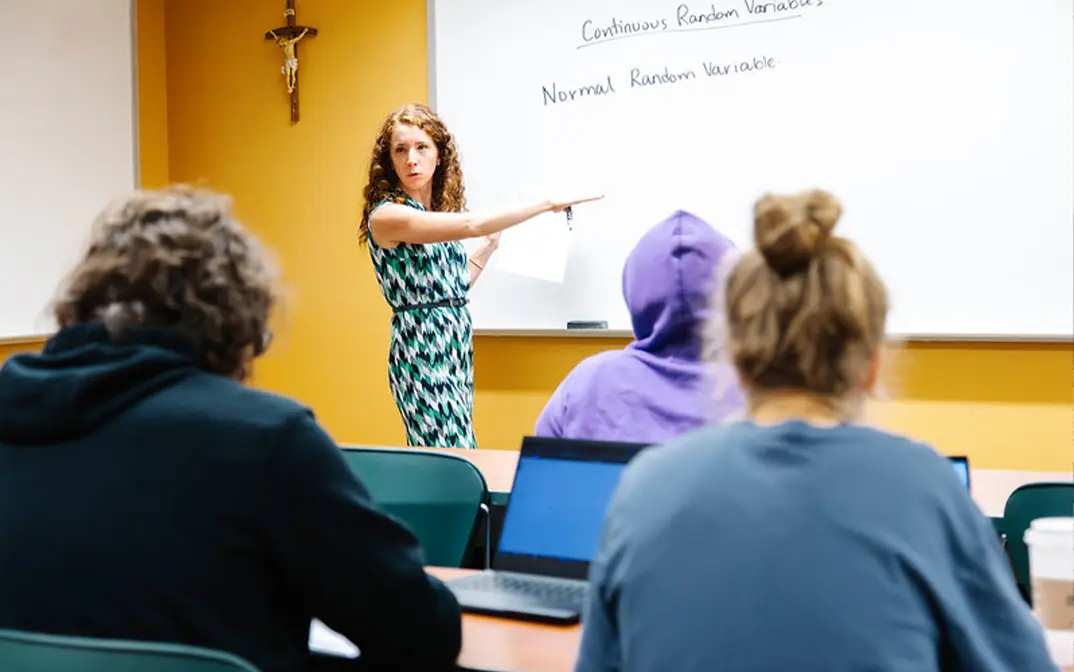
430	361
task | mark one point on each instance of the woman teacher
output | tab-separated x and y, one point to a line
414	223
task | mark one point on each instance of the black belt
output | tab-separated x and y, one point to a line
446	303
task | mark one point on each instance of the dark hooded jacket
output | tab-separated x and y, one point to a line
144	498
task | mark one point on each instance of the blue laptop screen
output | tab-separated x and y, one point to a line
962	469
557	507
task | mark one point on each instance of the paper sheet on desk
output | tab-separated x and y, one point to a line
325	640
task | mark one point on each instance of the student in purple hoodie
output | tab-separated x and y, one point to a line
658	387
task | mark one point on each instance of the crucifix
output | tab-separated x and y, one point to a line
287	38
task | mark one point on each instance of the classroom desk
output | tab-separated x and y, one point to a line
501	645
989	487
488	644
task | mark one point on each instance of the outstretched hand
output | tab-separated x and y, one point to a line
560	206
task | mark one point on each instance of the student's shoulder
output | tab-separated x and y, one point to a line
593	364
896	450
225	403
659	471
590	369
920	477
874	449
683	453
904	469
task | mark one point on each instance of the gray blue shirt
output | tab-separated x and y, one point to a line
799	548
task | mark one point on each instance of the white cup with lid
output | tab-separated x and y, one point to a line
1051	575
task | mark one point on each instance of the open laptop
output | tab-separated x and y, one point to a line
551	531
961	465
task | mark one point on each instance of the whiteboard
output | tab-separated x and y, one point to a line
945	127
67	143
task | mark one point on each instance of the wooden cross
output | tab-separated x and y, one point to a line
287	38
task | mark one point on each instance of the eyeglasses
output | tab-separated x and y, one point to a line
266	341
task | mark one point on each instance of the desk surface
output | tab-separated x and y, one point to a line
497	644
488	644
989	487
503	645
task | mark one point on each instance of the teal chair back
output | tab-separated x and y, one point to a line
36	652
1026	504
438	496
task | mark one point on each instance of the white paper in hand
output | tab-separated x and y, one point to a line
535	249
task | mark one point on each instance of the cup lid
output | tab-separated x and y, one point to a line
1054	524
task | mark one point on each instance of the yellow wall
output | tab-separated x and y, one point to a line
1008	406
152	95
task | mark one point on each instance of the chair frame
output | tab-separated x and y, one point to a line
155	649
484	506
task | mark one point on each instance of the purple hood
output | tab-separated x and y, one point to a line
657	387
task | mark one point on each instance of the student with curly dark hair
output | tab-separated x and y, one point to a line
414	221
152	496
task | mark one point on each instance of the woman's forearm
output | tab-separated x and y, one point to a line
482	255
484	224
478	260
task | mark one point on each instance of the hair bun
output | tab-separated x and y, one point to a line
789	230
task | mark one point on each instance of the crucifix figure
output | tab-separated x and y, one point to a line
290	58
287	38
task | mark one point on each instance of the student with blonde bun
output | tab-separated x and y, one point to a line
799	538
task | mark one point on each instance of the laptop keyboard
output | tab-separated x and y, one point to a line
536	588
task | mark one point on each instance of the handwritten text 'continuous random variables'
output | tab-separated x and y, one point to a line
686	18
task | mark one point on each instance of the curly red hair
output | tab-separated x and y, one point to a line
449	193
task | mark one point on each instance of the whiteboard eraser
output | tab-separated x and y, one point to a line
587	324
